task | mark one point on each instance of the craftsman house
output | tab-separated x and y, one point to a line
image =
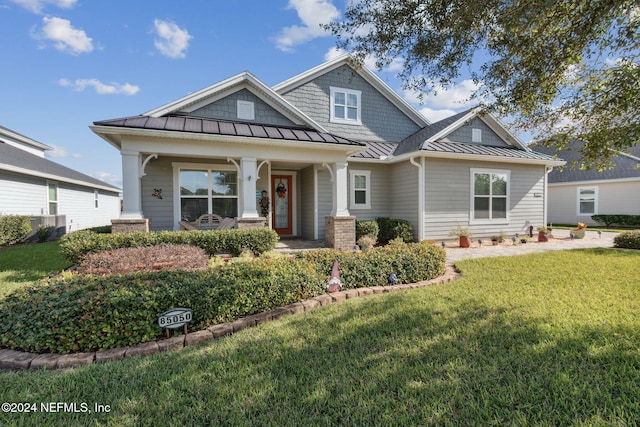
577	194
52	194
319	150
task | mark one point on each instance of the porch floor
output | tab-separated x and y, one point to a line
290	245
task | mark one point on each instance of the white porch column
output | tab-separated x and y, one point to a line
131	191
340	188
249	171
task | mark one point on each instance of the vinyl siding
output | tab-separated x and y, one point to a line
448	198
404	194
22	195
613	198
381	120
306	204
325	199
379	187
78	205
463	134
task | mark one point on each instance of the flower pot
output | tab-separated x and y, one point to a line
464	241
577	234
543	237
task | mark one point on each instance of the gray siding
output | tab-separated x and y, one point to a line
380	189
381	120
404	194
227	109
325	199
448	198
463	134
306	204
22	195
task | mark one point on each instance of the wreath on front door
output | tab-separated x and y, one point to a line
281	190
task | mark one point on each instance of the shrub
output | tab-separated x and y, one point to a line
79	243
367	228
391	228
619	220
44	232
627	240
14	229
164	257
88	313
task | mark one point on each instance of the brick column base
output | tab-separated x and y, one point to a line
250	222
129	225
340	232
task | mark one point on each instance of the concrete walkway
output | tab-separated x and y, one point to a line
560	241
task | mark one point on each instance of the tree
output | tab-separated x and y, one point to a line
563	68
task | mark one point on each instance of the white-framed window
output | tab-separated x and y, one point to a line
360	189
587	201
96	194
52	197
476	135
345	105
490	195
211	190
246	110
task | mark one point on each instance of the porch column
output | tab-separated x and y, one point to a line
131	191
249	171
340	188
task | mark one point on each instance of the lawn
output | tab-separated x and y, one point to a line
23	264
542	339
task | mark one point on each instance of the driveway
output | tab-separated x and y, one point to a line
560	241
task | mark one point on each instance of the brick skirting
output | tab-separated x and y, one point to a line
340	232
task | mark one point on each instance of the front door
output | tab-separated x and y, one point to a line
281	193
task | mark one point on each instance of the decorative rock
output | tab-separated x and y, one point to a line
324	299
310	304
143	349
45	361
365	291
338	296
111	354
173	343
221	330
11	359
377	289
352	293
76	359
296	307
239	325
197	337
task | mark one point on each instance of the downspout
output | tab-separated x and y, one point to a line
548	170
420	167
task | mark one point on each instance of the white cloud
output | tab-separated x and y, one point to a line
36	6
436	115
370	61
456	96
115	180
172	40
101	88
59	151
312	13
66	38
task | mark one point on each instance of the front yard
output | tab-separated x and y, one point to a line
542	339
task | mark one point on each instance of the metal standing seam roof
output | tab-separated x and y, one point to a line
376	150
485	150
231	128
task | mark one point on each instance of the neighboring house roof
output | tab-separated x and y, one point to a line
23	139
16	160
365	73
625	165
229	128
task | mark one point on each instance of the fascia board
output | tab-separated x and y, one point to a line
8	133
477	157
593	182
53	177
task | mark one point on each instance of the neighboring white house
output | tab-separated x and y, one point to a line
575	194
50	193
330	145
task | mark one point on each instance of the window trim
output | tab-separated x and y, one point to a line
248	107
472	219
333	90
56	201
595	200
476	135
352	189
96	195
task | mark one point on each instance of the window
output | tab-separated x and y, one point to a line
587	200
208	191
246	110
490	194
52	197
360	189
95	198
476	135
345	106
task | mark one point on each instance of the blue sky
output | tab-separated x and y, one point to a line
68	63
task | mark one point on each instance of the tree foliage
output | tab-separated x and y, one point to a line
564	69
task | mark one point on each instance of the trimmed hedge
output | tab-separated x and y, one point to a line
392	228
88	313
627	240
74	245
367	228
14	229
619	220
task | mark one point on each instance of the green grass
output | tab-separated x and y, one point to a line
541	339
24	264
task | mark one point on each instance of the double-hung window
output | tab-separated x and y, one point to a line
52	197
489	194
587	200
360	189
204	191
345	105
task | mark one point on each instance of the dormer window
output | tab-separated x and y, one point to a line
246	110
345	106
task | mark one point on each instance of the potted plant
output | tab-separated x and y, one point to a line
463	234
498	239
578	233
366	242
543	234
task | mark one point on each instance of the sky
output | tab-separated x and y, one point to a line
69	63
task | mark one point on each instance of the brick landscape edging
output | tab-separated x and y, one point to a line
18	360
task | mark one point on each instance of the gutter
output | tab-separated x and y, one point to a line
420	218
